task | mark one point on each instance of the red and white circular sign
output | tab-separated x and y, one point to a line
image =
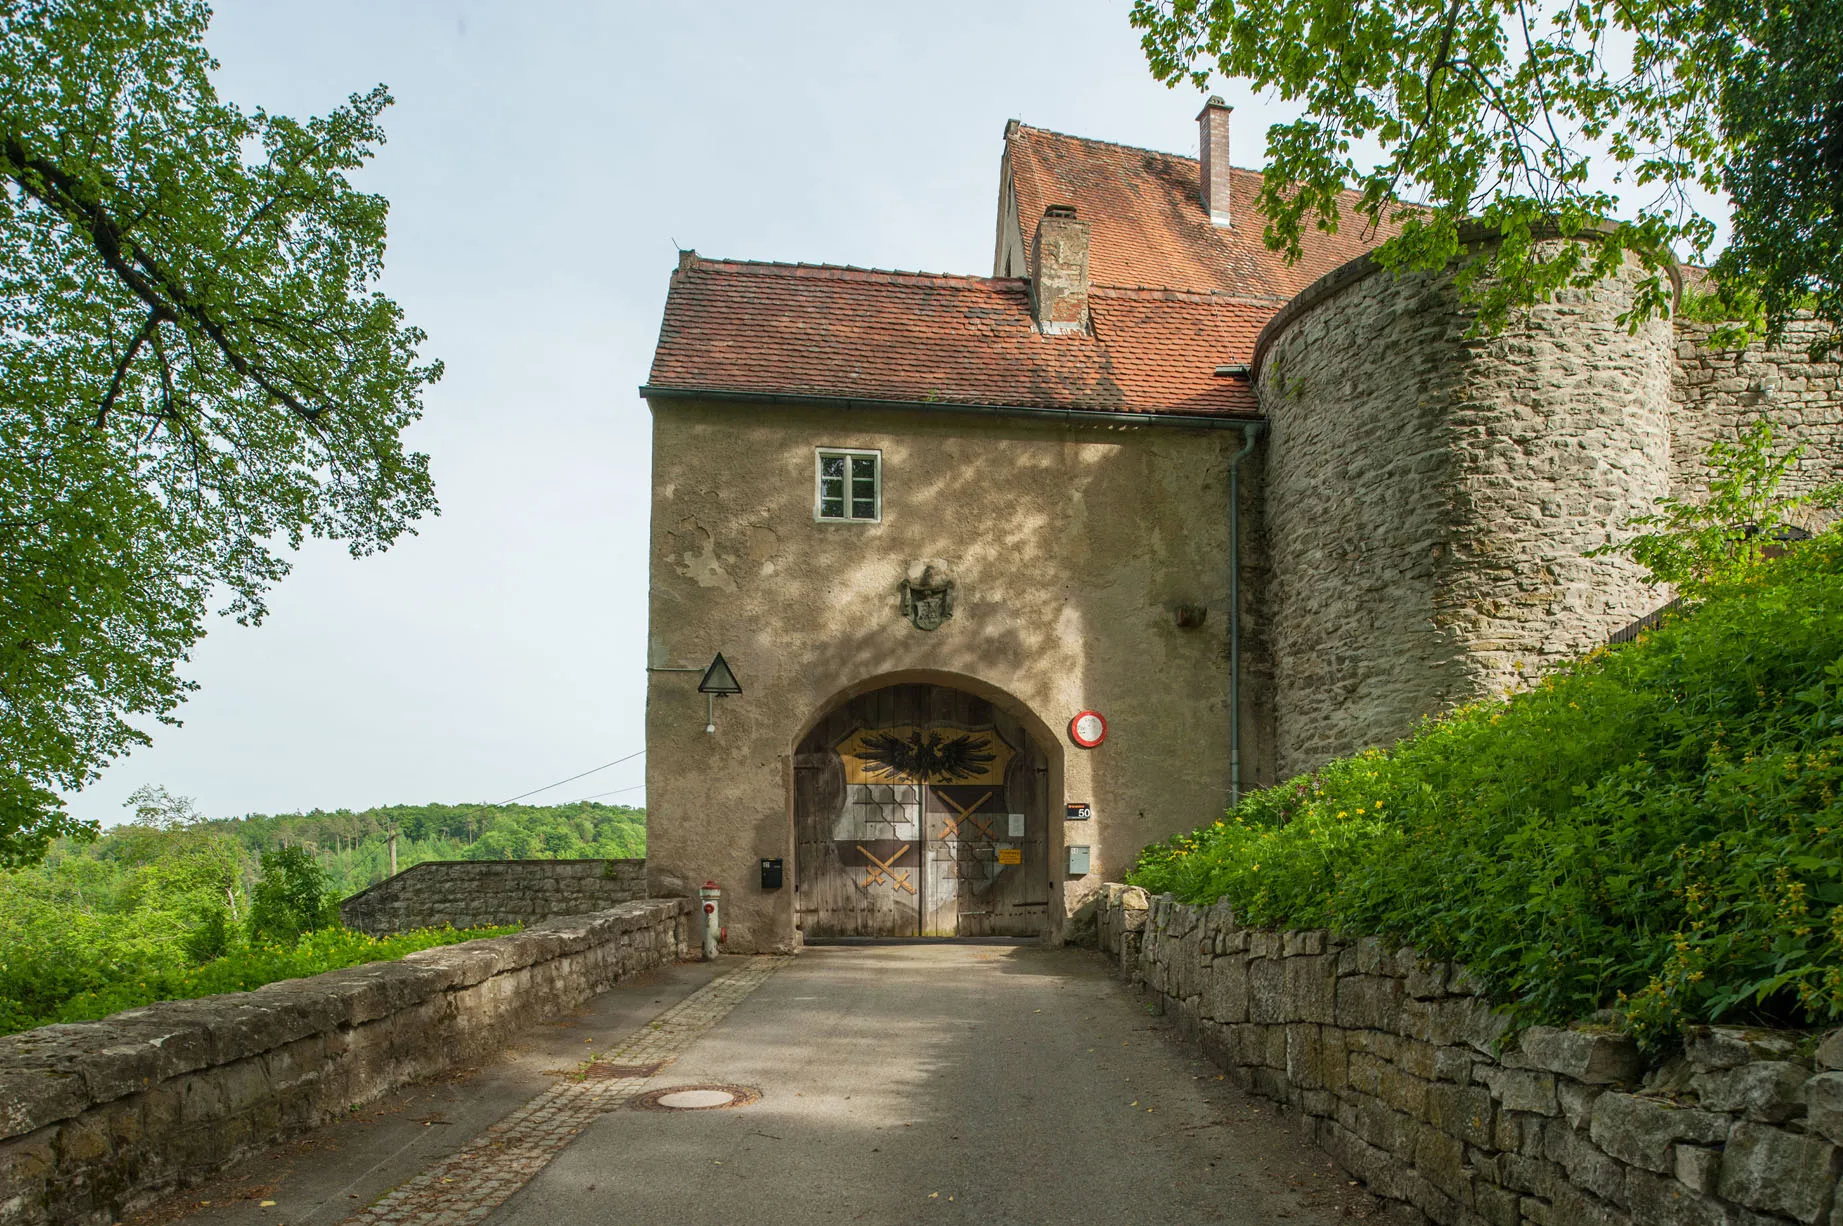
1088	729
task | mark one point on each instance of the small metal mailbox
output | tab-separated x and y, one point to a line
771	874
1078	860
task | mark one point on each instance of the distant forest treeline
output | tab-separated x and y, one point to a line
354	846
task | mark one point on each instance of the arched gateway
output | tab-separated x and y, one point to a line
920	810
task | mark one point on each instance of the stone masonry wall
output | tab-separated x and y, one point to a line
100	1117
1719	392
1562	430
481	893
1431	497
1393	1065
1356	462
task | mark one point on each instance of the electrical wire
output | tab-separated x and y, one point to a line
559	783
473	813
579	800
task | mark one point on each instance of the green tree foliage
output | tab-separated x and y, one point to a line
1743	518
290	898
1491	116
1657	828
159	809
143	900
1781	67
195	370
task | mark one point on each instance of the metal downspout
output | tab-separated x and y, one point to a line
1250	434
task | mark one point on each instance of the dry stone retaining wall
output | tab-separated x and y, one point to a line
1393	1065
99	1117
483	893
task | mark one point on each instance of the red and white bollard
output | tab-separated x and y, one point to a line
711	896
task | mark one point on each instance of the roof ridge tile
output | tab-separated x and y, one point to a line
850	272
1114	144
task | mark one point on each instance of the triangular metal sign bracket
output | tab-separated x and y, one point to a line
718	679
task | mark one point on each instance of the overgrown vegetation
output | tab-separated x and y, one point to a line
1656	828
328	949
173	905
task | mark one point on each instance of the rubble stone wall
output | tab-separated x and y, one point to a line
1719	392
484	893
1432	496
1397	1068
100	1117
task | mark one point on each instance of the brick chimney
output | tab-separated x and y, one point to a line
1059	272
1213	154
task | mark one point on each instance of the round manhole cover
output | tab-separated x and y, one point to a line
698	1098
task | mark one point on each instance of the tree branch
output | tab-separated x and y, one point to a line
154	319
51	186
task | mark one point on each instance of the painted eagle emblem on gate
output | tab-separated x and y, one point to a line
927	757
915	754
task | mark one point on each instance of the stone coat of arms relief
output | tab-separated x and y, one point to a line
927	599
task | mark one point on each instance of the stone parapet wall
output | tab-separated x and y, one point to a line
483	893
100	1117
1399	1069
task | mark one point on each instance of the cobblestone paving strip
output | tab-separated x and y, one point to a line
471	1182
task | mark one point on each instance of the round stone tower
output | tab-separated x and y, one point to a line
1431	496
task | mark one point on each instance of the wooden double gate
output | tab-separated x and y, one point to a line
920	810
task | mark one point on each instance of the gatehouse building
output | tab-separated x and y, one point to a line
1018	573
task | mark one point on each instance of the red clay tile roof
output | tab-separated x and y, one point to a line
822	331
1148	223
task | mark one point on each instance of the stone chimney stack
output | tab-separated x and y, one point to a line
1059	272
1213	153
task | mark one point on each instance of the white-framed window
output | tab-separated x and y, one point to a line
847	486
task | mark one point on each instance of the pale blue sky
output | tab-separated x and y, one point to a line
543	160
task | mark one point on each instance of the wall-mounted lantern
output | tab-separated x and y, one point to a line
719	681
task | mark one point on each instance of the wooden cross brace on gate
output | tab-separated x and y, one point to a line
886	870
950	826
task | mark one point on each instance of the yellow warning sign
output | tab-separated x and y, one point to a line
1011	855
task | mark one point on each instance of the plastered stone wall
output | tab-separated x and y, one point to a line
1394	1065
100	1117
1071	547
1717	393
1430	497
486	893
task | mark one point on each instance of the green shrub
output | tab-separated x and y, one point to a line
211	938
289	898
1656	827
325	950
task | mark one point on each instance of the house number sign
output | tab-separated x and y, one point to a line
1088	729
